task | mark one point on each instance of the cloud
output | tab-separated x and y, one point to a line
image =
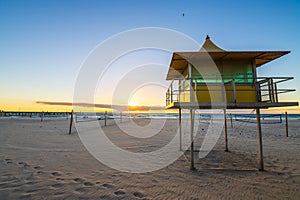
114	107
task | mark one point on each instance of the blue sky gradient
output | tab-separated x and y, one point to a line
43	43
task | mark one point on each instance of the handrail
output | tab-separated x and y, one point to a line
266	88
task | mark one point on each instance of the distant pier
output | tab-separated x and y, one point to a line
33	114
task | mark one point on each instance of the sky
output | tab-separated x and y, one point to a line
44	43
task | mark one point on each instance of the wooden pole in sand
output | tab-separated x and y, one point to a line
105	118
42	116
286	125
225	131
260	146
180	131
71	122
231	120
120	116
192	167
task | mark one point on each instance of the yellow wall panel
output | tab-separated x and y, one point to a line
244	93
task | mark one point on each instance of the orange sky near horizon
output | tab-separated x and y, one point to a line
30	106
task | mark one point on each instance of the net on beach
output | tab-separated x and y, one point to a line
265	118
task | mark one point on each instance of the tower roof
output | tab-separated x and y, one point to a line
211	51
209	46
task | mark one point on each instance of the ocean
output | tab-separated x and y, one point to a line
116	115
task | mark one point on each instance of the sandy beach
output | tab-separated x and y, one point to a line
39	160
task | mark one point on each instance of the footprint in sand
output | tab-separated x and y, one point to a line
30	183
88	184
85	183
37	167
59	193
56	174
105	197
32	191
80	190
284	168
40	172
154	181
57	185
23	164
8	161
96	173
9	185
59	179
78	180
138	194
107	185
25	196
119	192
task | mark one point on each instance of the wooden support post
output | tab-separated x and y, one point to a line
233	91
260	145
231	120
275	93
191	81
192	167
71	122
120	116
180	131
105	118
225	131
272	90
171	92
42	116
195	91
286	125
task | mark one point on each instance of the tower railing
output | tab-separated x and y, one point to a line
266	89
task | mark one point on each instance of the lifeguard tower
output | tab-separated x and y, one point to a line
213	78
